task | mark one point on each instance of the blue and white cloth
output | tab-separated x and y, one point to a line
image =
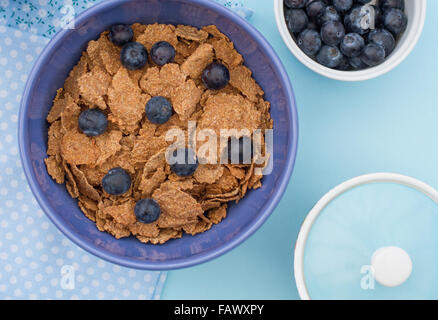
36	260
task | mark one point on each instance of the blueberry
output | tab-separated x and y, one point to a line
314	8
329	56
186	162
384	38
133	56
215	76
162	53
309	41
332	33
240	150
395	21
116	182
373	54
92	122
378	17
359	19
120	34
362	1
296	20
328	14
147	210
158	110
392	4
342	5
352	45
357	64
344	65
312	25
295	4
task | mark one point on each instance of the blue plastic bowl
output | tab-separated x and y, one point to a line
49	73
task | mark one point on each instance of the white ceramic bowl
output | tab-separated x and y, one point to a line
313	215
416	12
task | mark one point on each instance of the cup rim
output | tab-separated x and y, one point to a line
393	61
186	261
312	216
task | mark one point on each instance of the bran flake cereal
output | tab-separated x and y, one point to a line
190	205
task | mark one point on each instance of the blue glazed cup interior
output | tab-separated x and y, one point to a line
49	73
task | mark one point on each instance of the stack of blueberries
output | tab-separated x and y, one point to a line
346	35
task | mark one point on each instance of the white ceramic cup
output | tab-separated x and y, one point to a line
416	12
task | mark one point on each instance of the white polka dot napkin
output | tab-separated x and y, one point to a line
36	260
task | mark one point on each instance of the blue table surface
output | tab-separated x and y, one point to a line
346	129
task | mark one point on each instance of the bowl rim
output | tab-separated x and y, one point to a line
312	216
361	75
23	142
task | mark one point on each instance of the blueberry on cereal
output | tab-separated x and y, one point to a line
120	34
147	210
240	151
185	162
116	182
92	122
133	56
162	53
158	110
216	76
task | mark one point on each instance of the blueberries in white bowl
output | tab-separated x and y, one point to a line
358	20
315	7
327	14
342	5
356	63
332	33
352	45
329	56
395	21
373	54
384	38
347	35
296	20
309	41
392	4
295	4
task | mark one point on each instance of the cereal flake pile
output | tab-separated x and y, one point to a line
100	82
